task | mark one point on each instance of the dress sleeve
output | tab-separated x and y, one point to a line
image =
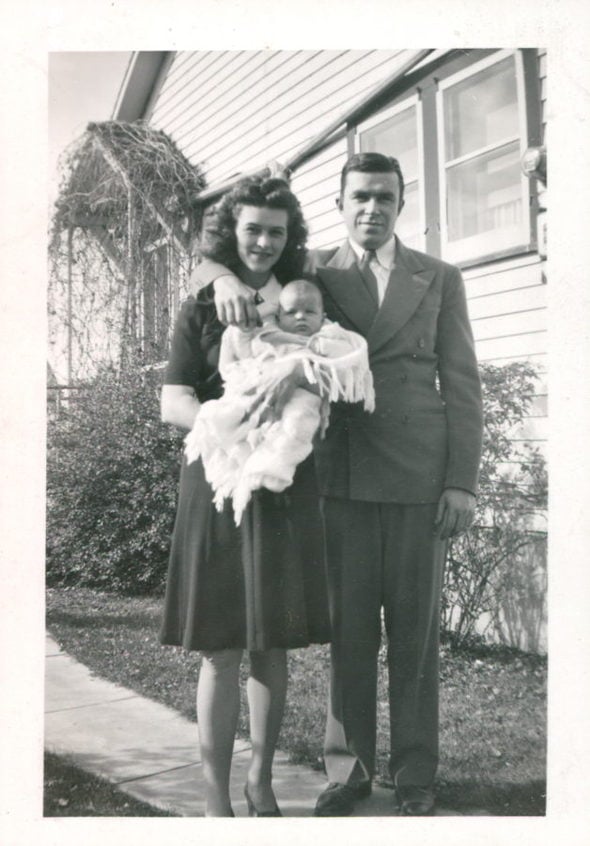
186	356
207	271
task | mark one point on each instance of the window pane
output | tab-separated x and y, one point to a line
481	110
407	226
484	194
395	137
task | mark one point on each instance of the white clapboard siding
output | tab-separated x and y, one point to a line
503	276
234	111
252	75
193	112
508	308
244	89
192	106
249	97
328	236
316	183
509	325
284	133
514	347
239	111
518	301
318	217
314	101
313	197
282	75
319	177
179	93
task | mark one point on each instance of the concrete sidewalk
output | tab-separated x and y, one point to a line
152	753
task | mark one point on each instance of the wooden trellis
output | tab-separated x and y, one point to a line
127	194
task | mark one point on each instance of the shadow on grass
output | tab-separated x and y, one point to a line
510	800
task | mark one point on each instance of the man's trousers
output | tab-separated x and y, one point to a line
383	556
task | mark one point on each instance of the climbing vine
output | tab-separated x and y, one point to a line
120	246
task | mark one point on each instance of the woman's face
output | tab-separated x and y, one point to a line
261	235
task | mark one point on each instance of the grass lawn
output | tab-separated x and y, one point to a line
493	701
72	792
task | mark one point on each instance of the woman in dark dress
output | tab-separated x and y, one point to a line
260	587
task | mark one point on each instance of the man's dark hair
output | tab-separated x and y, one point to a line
372	163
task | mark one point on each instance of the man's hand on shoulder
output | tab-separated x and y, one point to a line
455	513
234	302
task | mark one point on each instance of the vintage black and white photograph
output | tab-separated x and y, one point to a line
297	419
294	324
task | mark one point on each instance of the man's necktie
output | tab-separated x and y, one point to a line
368	275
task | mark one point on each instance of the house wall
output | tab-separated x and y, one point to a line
277	99
280	100
233	112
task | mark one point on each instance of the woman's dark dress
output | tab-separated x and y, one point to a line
258	586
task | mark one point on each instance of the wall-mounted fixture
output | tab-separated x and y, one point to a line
534	164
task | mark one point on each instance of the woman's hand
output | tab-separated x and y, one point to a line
234	302
179	406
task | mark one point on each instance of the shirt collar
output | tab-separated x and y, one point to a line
269	294
270	291
385	254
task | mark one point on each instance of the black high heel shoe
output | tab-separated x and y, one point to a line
254	812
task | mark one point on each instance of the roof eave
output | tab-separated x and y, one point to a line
140	83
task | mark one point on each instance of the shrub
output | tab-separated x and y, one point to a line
112	480
492	562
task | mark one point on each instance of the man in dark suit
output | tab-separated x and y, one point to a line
395	485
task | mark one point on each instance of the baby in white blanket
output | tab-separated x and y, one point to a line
251	438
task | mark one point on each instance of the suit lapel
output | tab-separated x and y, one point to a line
403	295
345	284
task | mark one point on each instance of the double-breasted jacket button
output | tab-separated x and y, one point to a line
421	343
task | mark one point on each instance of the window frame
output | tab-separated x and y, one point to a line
480	248
412	101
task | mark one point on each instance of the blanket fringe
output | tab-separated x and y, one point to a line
251	388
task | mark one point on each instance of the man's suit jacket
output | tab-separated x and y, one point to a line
426	431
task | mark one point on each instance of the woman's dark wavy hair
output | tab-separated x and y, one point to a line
271	193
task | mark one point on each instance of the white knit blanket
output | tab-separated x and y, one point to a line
278	389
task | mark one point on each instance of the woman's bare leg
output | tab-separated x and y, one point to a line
218	705
267	688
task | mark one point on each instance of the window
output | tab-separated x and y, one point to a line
398	131
481	128
460	136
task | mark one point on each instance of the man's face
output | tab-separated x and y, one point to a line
370	206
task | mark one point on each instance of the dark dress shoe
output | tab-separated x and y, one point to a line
253	810
415	801
337	800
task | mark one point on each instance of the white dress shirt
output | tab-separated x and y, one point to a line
381	265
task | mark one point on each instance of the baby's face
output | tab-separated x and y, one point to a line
300	311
